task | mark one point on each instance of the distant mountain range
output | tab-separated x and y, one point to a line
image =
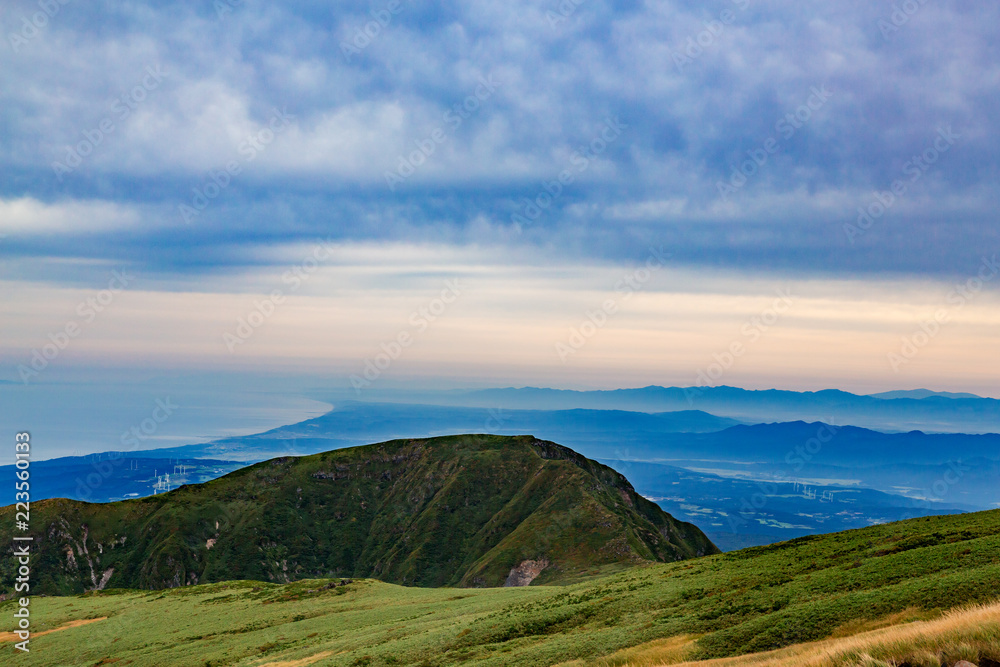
932	413
811	476
923	393
455	511
798	444
957	469
353	423
913	463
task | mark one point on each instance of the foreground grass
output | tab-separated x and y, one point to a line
745	602
971	634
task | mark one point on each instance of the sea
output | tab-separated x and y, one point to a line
87	412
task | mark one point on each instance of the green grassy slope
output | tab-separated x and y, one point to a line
743	601
459	510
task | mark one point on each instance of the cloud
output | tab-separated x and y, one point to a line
702	89
332	315
26	217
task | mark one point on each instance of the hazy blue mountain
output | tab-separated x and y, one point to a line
112	476
960	470
354	423
931	414
789	442
922	393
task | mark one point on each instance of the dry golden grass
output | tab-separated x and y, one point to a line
299	663
860	625
659	652
11	637
964	634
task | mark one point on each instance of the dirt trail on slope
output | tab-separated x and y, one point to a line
11	637
299	663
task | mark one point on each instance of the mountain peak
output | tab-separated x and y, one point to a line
468	510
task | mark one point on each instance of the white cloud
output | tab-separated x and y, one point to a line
27	217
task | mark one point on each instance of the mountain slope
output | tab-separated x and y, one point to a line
459	510
754	600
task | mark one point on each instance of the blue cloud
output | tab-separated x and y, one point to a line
702	88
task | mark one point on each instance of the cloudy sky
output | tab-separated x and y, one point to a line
575	194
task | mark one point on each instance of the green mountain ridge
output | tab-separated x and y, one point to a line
470	511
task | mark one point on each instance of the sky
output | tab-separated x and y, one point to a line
575	194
